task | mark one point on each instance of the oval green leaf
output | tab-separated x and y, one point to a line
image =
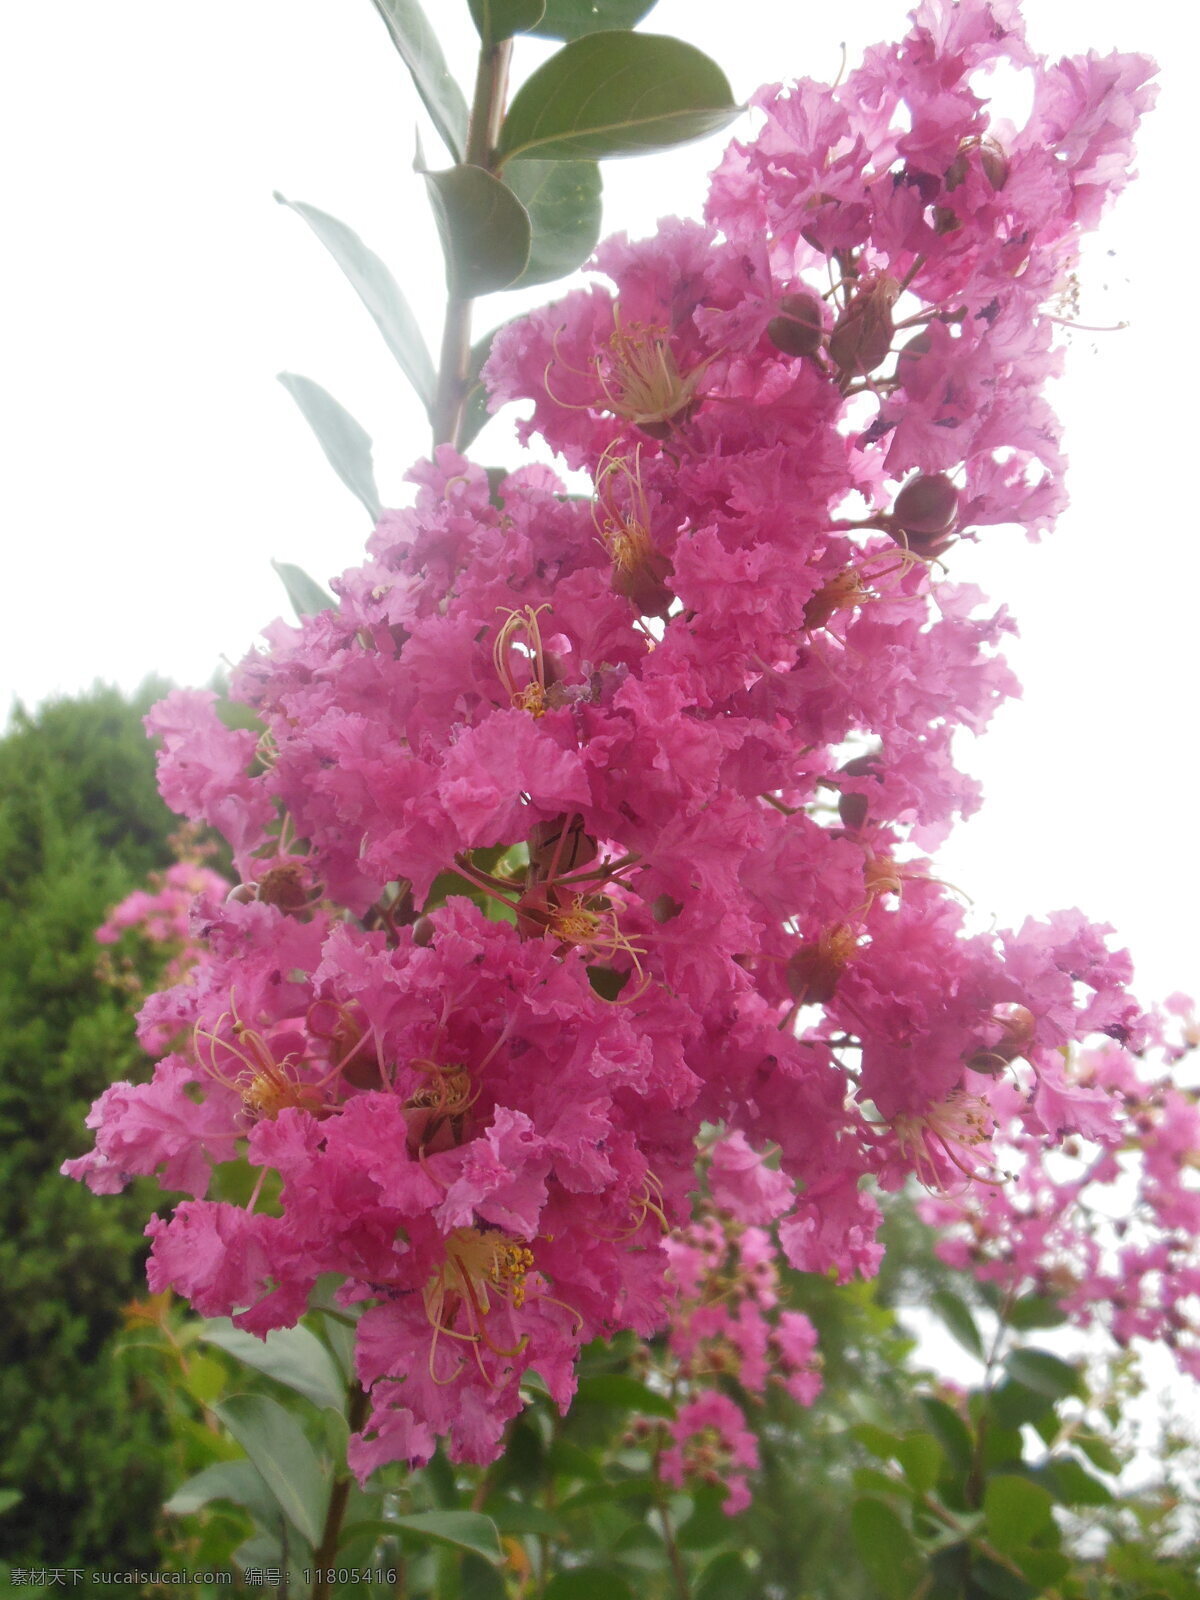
920	1457
306	594
292	1356
562	199
465	1530
1016	1511
484	227
726	1578
500	19
422	55
514	1516
479	1580
1072	1485
1001	1583
616	94
1045	1374
617	1391
276	1444
571	19
885	1547
950	1431
956	1315
236	1481
346	443
379	292
1036	1311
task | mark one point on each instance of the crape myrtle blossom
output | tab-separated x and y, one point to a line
161	918
726	1323
1108	1223
580	825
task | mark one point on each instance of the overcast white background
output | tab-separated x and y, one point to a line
152	465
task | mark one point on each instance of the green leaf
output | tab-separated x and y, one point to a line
1002	1445
339	1337
205	1379
479	1580
869	1480
708	1525
514	1516
562	199
1013	1405
885	1547
568	1460
1043	1568
598	1494
1035	1311
306	594
465	1530
640	1547
346	443
920	1457
951	1432
956	1315
587	1583
379	292
484	227
571	19
726	1578
8	1499
622	1393
877	1440
422	55
292	1356
1098	1451
990	1578
1045	1374
276	1444
238	1481
1072	1485
1017	1511
500	19
616	94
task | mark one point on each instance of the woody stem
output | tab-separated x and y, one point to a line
483	131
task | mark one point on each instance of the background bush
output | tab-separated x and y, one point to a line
82	1436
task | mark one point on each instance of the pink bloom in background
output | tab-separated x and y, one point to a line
712	1442
579	829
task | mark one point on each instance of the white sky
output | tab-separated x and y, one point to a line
152	465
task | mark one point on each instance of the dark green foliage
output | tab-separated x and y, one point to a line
81	824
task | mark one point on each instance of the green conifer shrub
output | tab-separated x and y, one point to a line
81	1435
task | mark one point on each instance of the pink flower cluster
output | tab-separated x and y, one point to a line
584	822
161	918
1107	1225
726	1322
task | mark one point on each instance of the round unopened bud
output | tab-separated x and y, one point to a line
909	360
994	162
927	506
862	336
990	154
422	933
798	327
868	765
645	583
853	810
